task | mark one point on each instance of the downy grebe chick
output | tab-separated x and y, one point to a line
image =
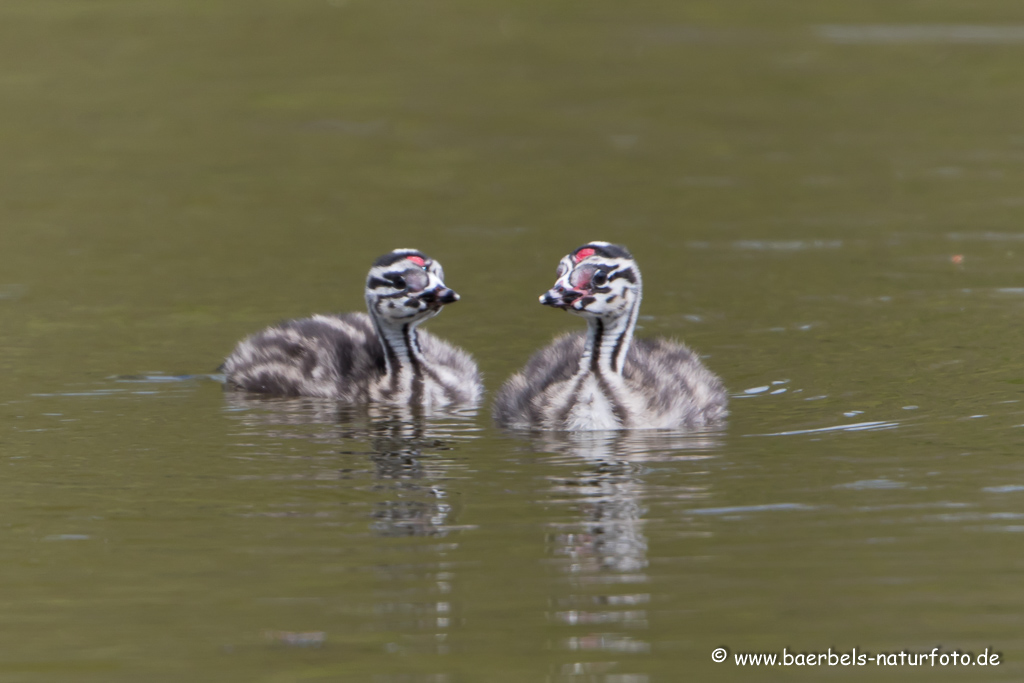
607	380
359	358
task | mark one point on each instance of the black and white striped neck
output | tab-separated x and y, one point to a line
403	358
608	340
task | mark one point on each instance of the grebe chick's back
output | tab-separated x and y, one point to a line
359	358
606	379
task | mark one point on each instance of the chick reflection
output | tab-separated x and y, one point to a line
604	548
609	490
390	468
404	450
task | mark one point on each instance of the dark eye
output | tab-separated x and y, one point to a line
398	281
600	279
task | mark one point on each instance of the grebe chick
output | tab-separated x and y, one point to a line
606	380
359	358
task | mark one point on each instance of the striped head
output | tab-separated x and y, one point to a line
597	280
406	286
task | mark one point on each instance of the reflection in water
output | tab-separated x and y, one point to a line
636	446
409	499
402	447
604	549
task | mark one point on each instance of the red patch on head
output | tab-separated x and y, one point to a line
582	254
418	260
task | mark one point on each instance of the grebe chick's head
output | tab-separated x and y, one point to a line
597	280
406	286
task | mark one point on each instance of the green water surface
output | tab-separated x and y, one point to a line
826	199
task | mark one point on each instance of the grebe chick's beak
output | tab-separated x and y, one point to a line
438	296
560	297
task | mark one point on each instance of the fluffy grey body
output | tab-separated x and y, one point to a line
663	385
605	379
340	357
358	358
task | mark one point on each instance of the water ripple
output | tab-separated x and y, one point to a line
855	427
921	33
743	509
